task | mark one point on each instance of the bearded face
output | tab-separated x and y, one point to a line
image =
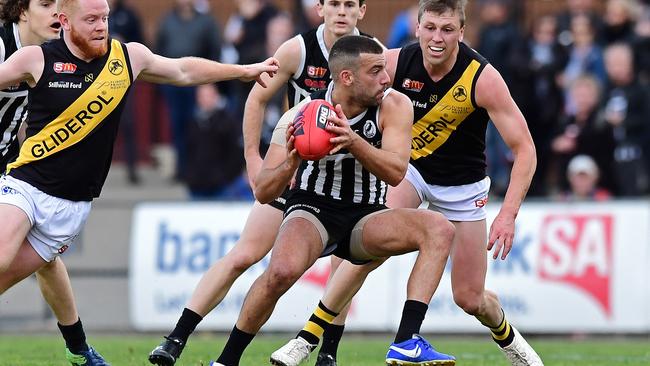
92	46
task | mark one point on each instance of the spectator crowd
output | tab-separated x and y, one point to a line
581	77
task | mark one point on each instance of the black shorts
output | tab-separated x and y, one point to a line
281	202
338	218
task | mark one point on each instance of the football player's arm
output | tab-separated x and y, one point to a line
391	161
188	71
492	94
280	162
392	56
25	65
257	100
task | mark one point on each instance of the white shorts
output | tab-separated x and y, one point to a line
458	203
56	222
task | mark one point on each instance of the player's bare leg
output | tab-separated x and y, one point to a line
469	268
55	286
256	241
298	246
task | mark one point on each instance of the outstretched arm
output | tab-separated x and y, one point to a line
493	95
187	71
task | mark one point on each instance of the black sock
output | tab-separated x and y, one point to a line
186	325
412	317
331	338
75	338
503	334
234	348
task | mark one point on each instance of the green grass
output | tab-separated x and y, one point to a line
132	350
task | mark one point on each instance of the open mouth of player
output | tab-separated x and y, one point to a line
55	26
436	51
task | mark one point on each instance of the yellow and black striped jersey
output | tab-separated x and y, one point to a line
74	113
448	142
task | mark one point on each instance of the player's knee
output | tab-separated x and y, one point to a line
243	260
282	277
469	301
440	232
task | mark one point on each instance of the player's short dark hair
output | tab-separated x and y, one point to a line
442	6
322	2
345	52
10	10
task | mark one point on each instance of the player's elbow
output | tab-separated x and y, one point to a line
263	199
263	193
396	176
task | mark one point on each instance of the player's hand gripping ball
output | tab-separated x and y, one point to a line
311	138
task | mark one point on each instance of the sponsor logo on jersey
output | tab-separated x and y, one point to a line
64	68
440	128
433	98
115	66
369	129
316	72
64	85
89	78
412	85
577	250
417	104
315	85
71	127
460	93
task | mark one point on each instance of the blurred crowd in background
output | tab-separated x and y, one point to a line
580	75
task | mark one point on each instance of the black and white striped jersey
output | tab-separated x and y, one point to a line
313	72
341	176
13	100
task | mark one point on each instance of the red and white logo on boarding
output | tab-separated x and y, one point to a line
577	250
64	68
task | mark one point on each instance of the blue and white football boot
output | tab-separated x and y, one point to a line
87	358
417	351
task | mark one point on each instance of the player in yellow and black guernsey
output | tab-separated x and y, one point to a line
78	86
27	23
455	93
60	146
448	142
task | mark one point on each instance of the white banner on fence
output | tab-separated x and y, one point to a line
579	268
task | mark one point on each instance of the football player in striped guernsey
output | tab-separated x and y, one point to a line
303	70
337	205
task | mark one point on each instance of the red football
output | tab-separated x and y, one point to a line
312	140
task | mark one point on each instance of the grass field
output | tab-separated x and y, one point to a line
132	350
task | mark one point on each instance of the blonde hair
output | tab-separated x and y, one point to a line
65	5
